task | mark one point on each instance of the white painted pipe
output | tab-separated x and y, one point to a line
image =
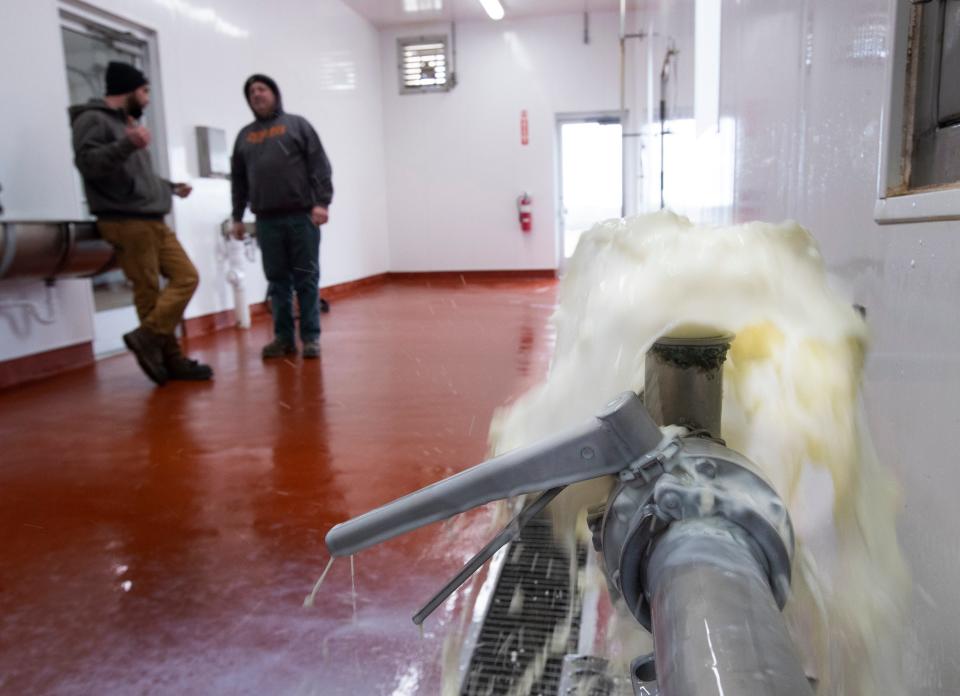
33	310
235	276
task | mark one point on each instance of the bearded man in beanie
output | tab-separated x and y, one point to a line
280	169
130	201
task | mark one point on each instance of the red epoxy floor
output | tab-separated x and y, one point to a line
163	540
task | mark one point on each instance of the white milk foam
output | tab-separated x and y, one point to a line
791	404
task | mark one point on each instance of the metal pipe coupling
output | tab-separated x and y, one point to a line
695	479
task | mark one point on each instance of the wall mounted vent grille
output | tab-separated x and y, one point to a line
424	64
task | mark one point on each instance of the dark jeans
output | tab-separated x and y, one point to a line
290	246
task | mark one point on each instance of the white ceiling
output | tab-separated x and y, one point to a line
384	13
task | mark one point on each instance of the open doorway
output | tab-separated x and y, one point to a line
591	174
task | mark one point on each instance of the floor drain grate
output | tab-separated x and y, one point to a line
508	642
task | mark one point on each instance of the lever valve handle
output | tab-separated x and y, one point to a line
622	433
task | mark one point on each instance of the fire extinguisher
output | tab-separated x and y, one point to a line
525	209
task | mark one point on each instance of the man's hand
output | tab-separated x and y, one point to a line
319	215
181	189
239	230
139	136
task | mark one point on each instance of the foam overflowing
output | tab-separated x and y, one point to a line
791	404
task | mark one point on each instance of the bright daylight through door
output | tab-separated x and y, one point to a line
591	173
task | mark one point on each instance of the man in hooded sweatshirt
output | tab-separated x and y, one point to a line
280	169
130	201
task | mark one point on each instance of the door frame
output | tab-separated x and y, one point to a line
73	15
606	117
80	17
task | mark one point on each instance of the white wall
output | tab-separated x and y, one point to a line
455	165
803	86
326	60
69	304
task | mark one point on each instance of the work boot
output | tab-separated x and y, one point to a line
184	368
311	349
148	349
180	366
278	349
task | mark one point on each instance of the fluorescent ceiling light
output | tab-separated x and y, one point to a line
493	8
422	5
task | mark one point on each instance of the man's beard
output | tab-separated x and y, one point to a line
133	107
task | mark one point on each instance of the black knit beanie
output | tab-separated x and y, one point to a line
123	78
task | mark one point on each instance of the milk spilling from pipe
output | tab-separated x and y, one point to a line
791	404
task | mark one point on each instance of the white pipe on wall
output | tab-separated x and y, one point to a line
33	310
235	276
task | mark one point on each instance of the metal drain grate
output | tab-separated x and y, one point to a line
508	643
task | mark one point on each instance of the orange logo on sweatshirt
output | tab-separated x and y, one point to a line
259	136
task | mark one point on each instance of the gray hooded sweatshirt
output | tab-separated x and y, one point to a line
278	166
118	177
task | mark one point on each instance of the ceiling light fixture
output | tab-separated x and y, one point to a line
494	8
422	5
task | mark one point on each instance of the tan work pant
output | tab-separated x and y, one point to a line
147	249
